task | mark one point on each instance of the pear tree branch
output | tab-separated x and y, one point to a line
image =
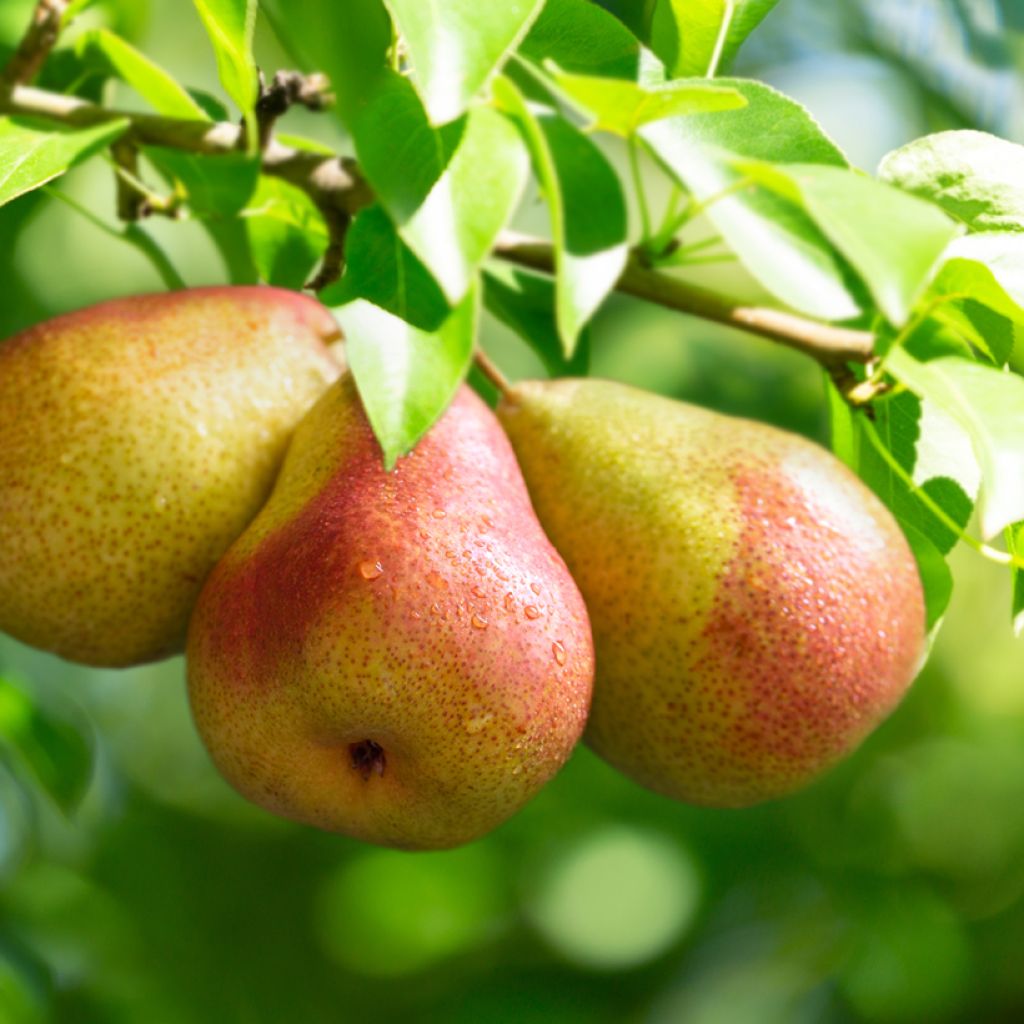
35	46
335	184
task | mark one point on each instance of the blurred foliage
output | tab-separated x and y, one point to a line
891	892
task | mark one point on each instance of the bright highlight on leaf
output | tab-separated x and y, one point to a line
454	46
892	239
977	177
622	107
406	377
587	209
989	405
230	24
31	154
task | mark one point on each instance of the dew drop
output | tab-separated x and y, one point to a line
370	570
478	591
160	502
535	587
510	602
436	580
439	513
531	611
478	622
488	523
558	650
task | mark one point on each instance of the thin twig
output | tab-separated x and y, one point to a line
35	46
829	345
335	184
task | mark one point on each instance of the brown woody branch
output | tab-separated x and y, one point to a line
35	46
336	186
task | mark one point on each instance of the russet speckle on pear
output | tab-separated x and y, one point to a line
138	438
756	609
399	656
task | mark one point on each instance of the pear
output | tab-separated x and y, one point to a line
138	438
756	609
401	657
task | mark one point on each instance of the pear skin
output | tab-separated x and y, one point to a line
138	438
401	657
756	609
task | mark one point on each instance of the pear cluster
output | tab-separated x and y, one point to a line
720	608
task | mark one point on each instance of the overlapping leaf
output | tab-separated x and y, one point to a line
230	25
685	33
773	237
407	377
455	46
31	153
587	209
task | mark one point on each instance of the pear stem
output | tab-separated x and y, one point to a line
487	367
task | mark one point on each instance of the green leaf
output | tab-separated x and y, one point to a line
582	38
230	25
976	177
923	449
120	59
988	268
55	751
450	191
525	303
1015	545
455	46
380	268
407	377
857	215
587	208
685	33
346	41
32	154
622	107
287	233
773	238
988	404
215	185
936	576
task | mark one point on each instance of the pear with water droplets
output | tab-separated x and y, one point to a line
138	438
756	610
401	657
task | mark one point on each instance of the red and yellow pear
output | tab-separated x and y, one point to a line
756	609
138	438
401	657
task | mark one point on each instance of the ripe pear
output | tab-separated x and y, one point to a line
138	438
756	609
402	657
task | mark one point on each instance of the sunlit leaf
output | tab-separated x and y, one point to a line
450	191
230	25
587	209
32	154
685	33
988	404
621	107
892	239
773	237
406	377
454	46
148	79
977	177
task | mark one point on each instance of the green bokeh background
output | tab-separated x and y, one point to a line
891	892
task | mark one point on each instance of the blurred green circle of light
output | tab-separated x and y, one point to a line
387	913
618	898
